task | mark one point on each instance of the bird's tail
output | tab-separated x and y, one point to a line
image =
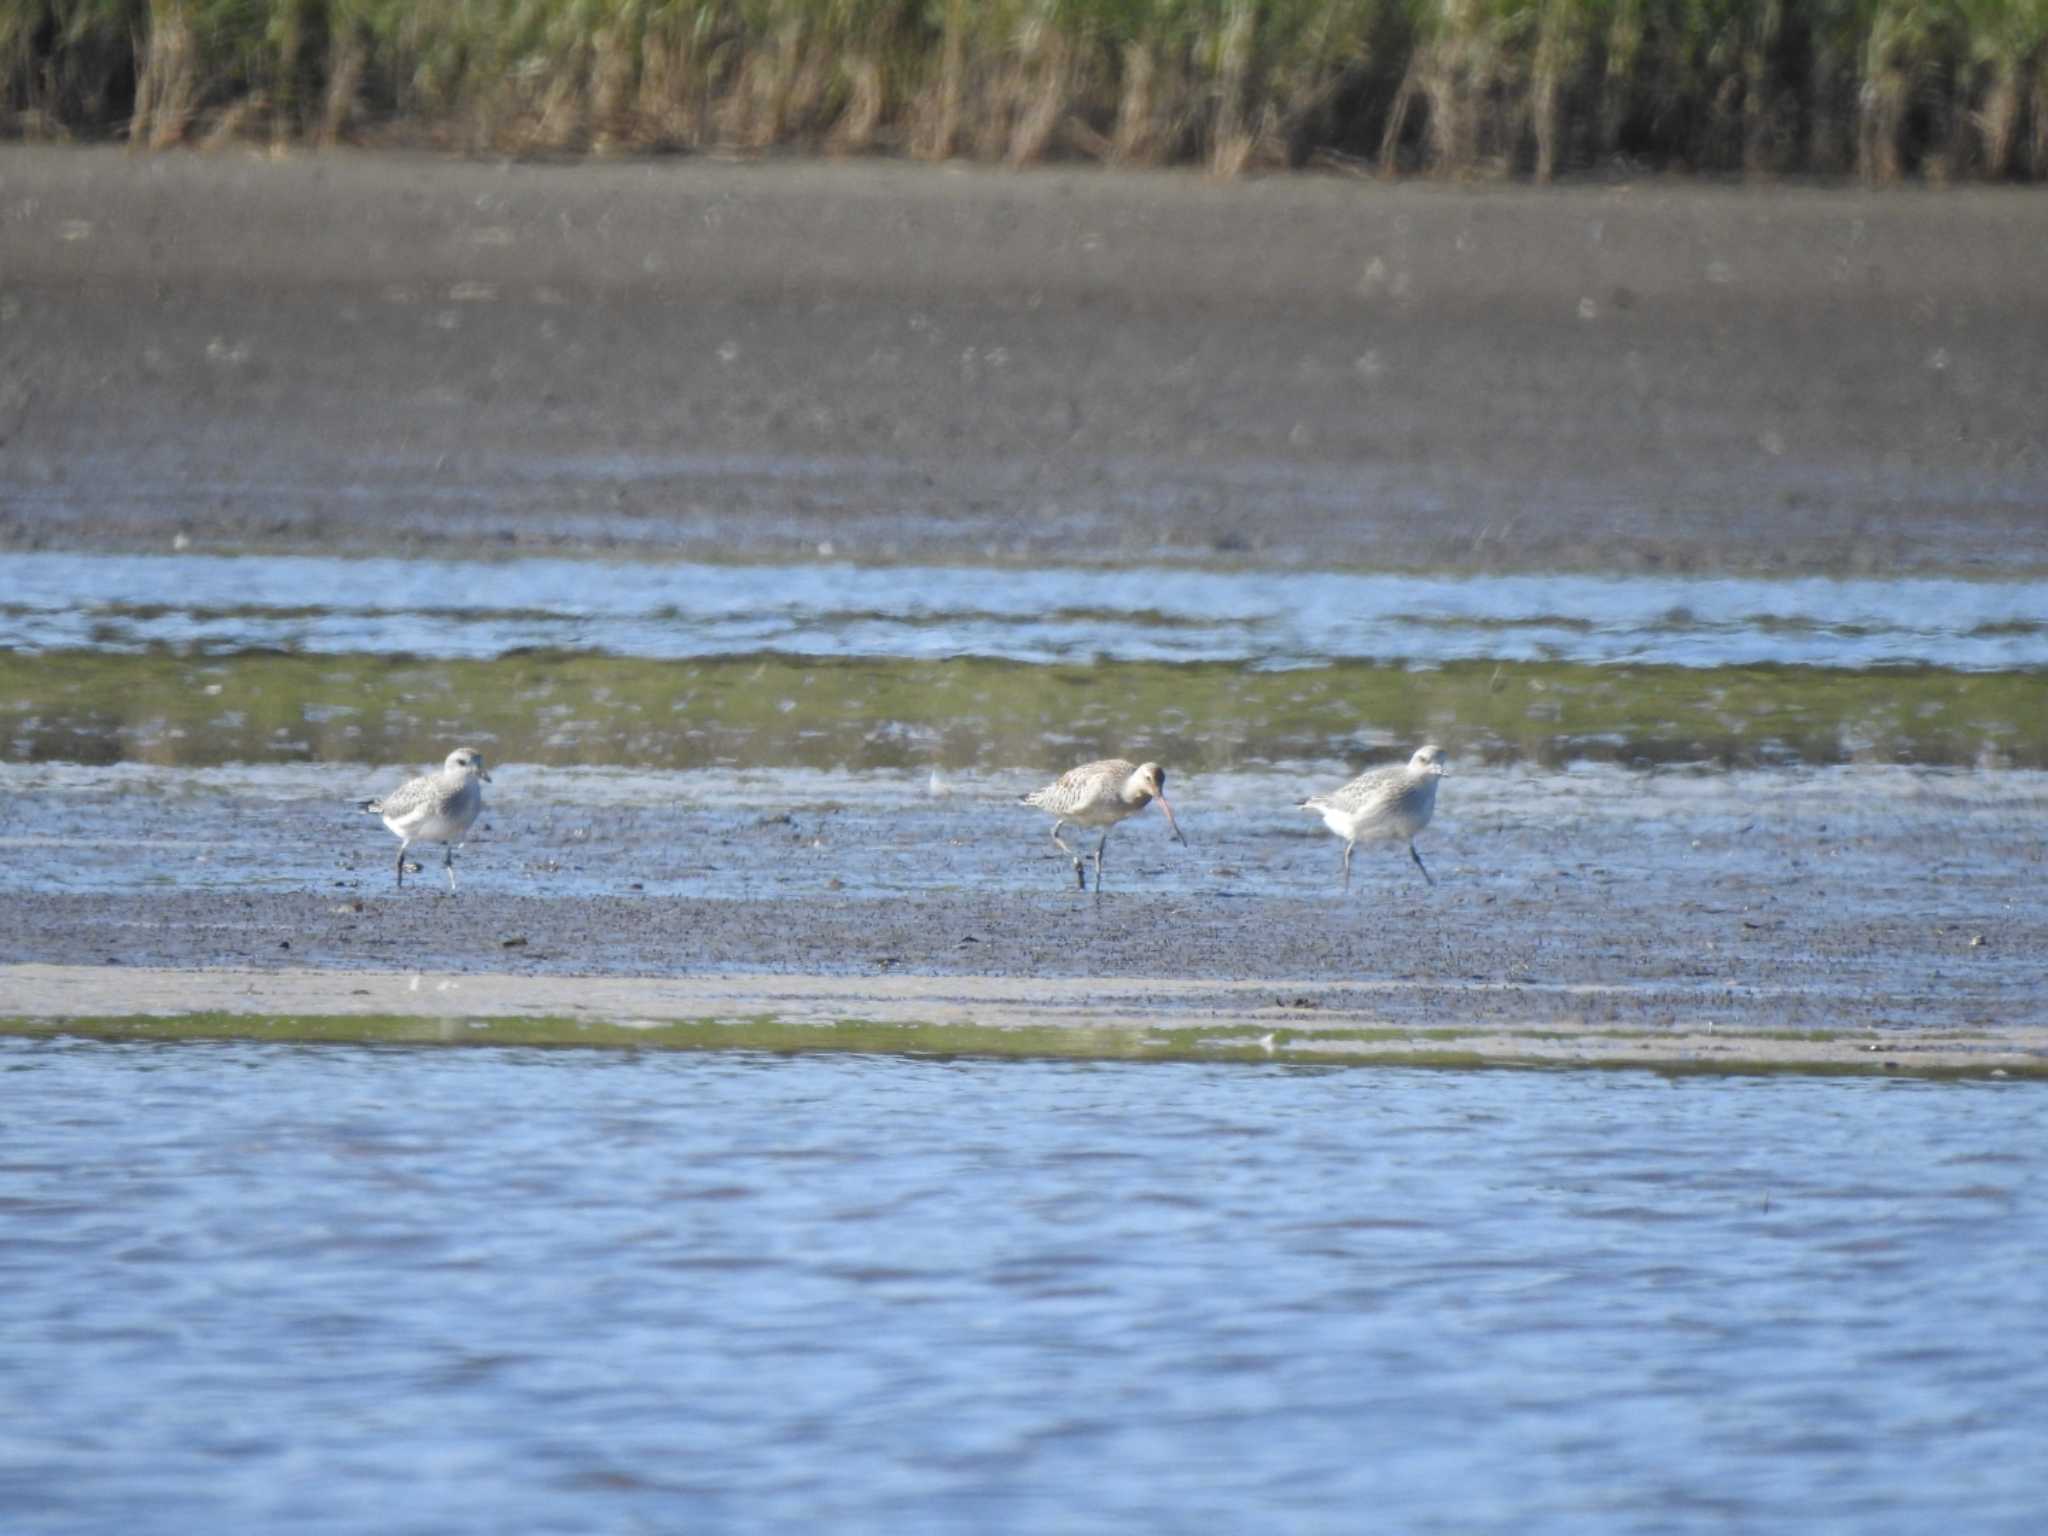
1313	803
371	806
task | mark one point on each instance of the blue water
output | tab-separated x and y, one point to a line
481	609
382	1291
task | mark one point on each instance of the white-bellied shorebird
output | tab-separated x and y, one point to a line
1101	795
1391	802
437	807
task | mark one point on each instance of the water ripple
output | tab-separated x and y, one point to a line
348	1289
481	610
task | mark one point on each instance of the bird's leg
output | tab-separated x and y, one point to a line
403	844
1347	868
1098	864
448	863
1418	862
1063	848
1080	874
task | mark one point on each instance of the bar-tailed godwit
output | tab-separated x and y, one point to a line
1391	802
1101	795
437	807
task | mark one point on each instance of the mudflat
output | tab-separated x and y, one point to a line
1767	917
353	352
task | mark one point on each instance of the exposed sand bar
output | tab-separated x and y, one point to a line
1125	1018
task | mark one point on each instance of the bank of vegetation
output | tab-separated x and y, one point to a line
1882	89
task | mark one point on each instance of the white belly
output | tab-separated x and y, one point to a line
1401	818
444	824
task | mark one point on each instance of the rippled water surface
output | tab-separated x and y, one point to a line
359	1290
477	610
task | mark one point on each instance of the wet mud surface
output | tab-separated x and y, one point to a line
388	353
1859	899
352	355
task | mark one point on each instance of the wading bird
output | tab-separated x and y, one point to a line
436	807
1395	802
1101	795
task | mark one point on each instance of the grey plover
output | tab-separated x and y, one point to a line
1394	802
437	807
1101	795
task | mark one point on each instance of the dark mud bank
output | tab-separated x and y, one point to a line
371	354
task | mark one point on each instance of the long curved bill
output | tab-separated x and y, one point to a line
1170	821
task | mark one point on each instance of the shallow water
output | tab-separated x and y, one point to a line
477	610
579	834
351	1289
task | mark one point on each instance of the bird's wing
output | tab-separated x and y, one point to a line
409	796
1071	783
1370	790
1114	768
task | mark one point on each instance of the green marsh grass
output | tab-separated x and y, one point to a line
1941	89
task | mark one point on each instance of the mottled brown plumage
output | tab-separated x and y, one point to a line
1101	795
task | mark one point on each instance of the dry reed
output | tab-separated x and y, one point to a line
1885	89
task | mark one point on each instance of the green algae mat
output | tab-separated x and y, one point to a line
924	1016
774	710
